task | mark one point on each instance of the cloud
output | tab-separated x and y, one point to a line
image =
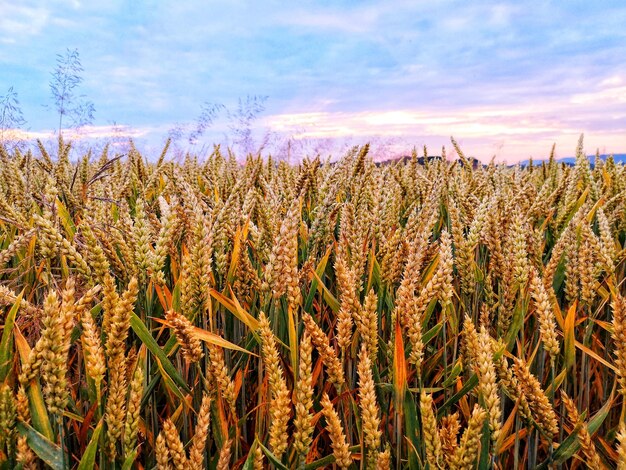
610	95
19	21
360	21
83	133
511	133
504	72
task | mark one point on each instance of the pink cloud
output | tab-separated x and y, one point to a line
84	133
510	133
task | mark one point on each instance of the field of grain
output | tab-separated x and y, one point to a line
212	314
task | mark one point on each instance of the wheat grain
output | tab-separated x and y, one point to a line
341	451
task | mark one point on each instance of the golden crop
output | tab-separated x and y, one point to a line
208	314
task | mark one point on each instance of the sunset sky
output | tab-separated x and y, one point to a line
504	78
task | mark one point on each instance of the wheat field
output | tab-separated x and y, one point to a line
212	314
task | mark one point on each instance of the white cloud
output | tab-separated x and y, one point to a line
611	92
360	20
84	133
19	21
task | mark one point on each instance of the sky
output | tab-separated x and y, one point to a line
506	79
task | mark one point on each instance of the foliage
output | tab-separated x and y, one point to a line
11	117
66	78
349	314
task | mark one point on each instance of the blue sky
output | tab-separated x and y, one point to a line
505	78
